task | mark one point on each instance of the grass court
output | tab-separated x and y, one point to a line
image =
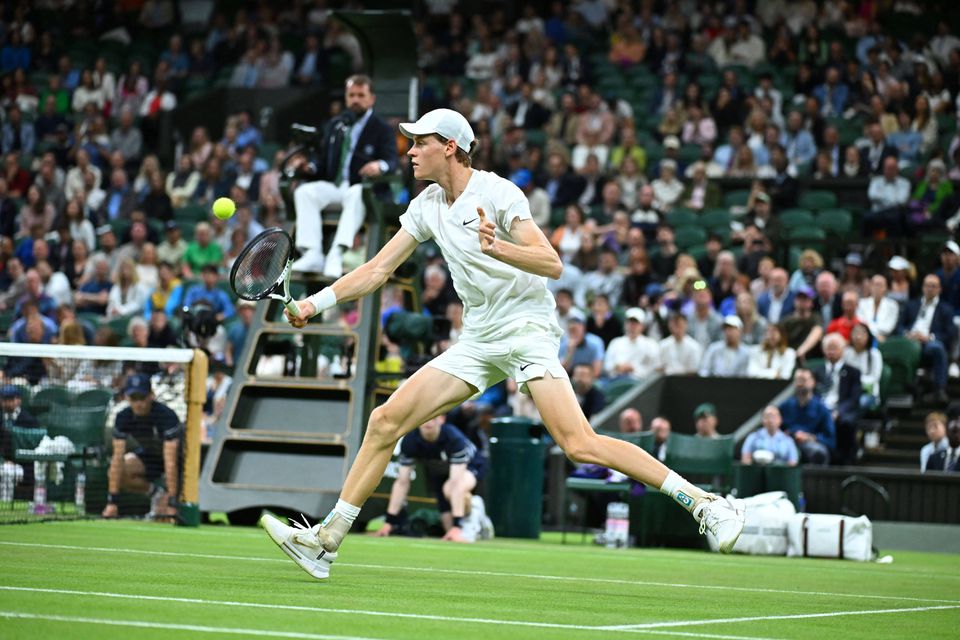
103	579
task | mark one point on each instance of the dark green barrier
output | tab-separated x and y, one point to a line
515	485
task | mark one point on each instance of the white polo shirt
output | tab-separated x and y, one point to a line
498	299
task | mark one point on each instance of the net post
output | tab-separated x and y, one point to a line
189	503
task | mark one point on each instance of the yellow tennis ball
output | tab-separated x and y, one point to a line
223	208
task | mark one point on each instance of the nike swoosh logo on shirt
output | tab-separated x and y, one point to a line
466	222
525	366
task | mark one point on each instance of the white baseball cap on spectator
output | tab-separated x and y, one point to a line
671	142
898	263
733	321
446	123
636	313
952	247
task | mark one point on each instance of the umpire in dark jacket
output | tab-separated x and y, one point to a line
929	321
355	145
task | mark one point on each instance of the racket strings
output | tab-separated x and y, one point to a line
261	267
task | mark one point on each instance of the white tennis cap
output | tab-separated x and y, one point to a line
444	122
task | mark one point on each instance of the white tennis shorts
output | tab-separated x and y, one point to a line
523	356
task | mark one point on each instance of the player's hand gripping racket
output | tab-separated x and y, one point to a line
263	268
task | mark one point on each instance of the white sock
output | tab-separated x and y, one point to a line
684	493
347	511
338	523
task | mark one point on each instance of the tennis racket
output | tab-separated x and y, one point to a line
263	269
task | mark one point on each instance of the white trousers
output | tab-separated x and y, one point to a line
312	198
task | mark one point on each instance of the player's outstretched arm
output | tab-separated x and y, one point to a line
529	251
363	280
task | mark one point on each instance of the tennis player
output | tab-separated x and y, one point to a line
499	261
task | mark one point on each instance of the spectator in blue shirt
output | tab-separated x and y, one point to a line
247	134
95	292
771	438
14	55
18	332
579	347
217	298
832	94
906	141
17	134
176	57
46	305
798	142
809	421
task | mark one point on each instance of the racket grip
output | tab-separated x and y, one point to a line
292	308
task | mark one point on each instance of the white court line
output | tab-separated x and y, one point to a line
799	616
357	612
501	545
499	574
176	627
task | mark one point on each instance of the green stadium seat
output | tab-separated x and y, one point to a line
687	237
192	212
690	153
85	427
736	198
903	357
838	222
682	218
707	458
817	200
715	218
793	218
6	320
644	440
806	234
557	216
617	388
885	379
119	325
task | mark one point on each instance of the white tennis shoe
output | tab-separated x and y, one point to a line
301	544
722	518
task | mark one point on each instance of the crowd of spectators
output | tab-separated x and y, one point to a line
625	122
620	121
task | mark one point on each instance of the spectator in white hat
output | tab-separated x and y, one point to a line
667	189
727	358
632	355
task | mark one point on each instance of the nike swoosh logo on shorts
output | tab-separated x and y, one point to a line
466	222
525	366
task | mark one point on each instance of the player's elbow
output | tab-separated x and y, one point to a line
556	267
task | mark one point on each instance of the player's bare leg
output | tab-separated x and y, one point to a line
565	421
427	394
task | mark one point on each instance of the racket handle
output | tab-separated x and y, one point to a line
292	308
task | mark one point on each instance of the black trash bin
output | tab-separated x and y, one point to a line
515	483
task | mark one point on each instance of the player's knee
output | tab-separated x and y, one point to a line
384	427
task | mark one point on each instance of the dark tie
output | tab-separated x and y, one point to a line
344	152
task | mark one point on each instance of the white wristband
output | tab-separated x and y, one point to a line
323	300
